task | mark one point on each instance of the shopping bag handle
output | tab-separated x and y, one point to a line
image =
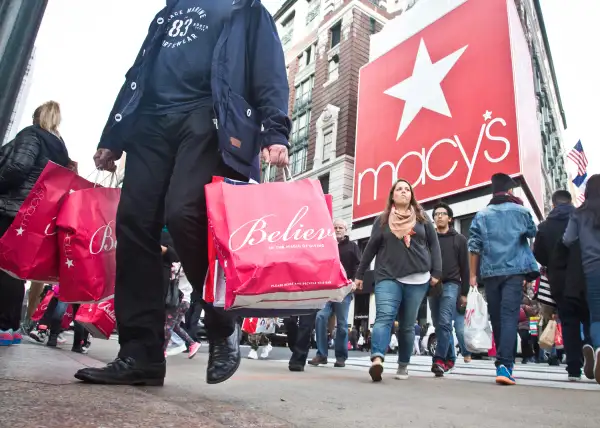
113	179
287	174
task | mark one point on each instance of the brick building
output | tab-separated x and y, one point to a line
326	42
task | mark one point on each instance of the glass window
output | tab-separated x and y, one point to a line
336	34
327	143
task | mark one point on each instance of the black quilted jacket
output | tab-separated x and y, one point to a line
21	163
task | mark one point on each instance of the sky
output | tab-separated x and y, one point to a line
84	49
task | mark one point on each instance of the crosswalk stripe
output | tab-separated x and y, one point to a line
540	375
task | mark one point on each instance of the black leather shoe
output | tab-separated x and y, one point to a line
125	371
224	357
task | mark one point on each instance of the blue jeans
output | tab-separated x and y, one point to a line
394	299
341	335
459	327
593	295
504	295
443	309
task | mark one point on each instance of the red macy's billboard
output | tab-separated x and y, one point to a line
448	105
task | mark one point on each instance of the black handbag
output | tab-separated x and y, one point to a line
173	295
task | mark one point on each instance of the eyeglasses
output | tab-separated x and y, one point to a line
440	214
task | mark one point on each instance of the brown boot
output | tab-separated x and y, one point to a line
340	362
317	360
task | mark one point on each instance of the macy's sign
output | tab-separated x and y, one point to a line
425	158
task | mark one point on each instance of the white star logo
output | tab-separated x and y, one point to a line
71	191
20	231
423	89
487	115
69	263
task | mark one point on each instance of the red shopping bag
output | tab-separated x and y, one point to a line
558	337
98	318
249	325
86	235
276	245
214	283
41	308
67	318
29	248
492	351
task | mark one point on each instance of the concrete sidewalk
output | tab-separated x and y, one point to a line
37	390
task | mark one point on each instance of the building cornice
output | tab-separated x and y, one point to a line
538	11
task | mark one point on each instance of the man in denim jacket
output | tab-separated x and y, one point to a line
499	245
207	94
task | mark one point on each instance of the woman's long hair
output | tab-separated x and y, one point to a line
47	116
413	203
592	199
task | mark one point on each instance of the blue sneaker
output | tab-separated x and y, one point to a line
504	376
6	337
17	337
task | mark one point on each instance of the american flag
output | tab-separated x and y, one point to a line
578	157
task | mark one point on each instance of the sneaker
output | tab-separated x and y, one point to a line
60	339
39	335
175	350
438	368
448	366
266	350
17	337
401	373
253	355
376	370
468	359
504	376
597	366
79	350
194	347
574	378
6	337
588	361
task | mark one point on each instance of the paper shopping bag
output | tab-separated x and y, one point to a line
98	318
276	245
86	235
548	336
29	248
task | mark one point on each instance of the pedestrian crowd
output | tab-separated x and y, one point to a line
213	115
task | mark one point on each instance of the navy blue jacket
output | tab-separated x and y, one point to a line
249	86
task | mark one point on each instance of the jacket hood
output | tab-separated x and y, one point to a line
451	232
561	212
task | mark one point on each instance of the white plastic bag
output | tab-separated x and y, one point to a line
393	342
361	340
266	326
478	333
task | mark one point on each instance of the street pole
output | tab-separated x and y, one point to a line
19	24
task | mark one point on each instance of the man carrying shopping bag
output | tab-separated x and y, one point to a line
183	118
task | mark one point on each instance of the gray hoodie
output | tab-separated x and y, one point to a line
581	227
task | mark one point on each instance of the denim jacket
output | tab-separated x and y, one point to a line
500	235
249	85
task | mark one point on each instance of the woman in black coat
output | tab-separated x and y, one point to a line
21	163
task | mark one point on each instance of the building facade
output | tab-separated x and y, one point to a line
17	114
326	42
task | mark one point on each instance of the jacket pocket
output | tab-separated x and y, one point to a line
240	130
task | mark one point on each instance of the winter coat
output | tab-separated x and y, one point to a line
22	162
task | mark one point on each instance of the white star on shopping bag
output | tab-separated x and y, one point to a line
69	263
423	89
487	115
20	231
71	191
